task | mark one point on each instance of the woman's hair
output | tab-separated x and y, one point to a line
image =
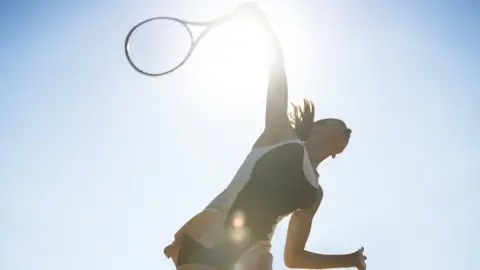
301	117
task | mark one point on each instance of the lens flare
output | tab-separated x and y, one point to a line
238	232
238	220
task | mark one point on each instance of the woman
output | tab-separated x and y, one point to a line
277	178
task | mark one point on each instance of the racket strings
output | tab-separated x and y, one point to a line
210	25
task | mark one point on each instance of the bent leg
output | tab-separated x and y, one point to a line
257	258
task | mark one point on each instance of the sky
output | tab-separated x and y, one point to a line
99	165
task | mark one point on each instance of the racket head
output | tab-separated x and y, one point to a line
181	26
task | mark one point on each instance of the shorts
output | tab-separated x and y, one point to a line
226	257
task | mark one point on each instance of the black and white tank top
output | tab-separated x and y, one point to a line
272	182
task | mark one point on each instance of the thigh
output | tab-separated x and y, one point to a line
257	258
193	255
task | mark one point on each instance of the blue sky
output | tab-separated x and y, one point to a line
99	166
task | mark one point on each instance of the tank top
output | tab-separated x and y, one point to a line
272	182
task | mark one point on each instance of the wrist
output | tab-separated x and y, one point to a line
351	259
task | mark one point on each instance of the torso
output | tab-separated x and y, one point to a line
272	182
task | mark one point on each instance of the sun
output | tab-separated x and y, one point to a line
233	59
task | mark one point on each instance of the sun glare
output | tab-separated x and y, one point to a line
233	57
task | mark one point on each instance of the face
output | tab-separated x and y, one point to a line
331	133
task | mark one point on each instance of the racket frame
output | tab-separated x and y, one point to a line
209	26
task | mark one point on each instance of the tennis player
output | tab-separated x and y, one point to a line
277	178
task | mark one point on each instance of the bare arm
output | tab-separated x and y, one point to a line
277	124
296	256
276	118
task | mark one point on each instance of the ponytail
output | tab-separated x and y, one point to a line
301	119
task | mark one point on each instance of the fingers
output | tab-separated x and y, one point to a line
362	265
171	250
362	249
167	251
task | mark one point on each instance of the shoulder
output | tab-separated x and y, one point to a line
310	209
283	161
269	137
288	151
319	194
290	148
319	199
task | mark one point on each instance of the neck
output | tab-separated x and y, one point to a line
318	157
316	160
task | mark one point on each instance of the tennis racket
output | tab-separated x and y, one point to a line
192	44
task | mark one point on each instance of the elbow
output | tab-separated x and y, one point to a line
289	263
291	259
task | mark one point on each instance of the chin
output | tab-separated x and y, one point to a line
337	153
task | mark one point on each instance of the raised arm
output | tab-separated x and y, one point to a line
295	255
276	117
